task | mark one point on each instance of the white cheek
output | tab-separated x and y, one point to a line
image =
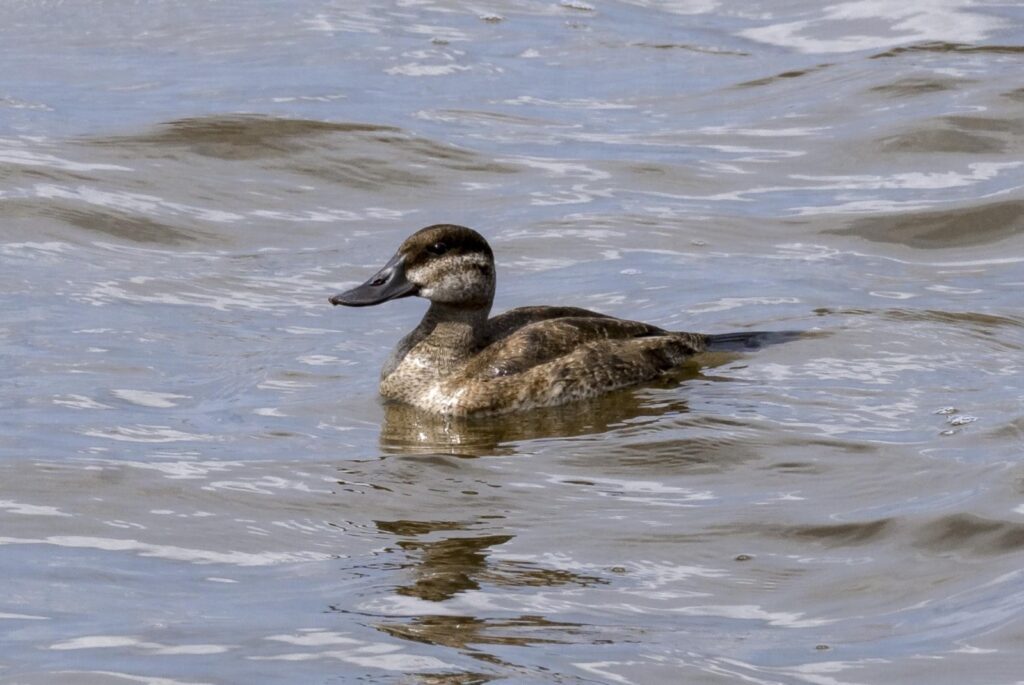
450	278
419	277
457	282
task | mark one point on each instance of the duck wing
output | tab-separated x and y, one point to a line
553	362
507	323
545	339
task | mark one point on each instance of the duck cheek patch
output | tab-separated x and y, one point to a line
465	278
455	287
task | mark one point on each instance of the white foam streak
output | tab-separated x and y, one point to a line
113	641
558	168
146	398
75	676
568	103
382	655
34	159
170	552
354	20
183	470
315	639
78	402
12	507
916	180
752	612
142	433
874	24
133	202
727	303
418	69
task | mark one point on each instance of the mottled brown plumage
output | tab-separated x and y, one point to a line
460	362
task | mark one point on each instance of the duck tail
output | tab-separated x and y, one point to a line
746	340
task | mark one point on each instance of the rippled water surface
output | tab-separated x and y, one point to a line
198	483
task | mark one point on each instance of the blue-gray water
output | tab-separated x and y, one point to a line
198	483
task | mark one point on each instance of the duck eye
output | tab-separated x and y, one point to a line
437	248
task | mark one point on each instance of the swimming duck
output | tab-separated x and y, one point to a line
458	361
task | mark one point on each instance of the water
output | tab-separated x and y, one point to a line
199	485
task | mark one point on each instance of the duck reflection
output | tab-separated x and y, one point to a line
444	567
449	565
461	632
407	430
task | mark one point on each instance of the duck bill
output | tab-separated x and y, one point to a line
389	283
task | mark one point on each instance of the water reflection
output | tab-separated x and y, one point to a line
463	631
361	156
943	46
240	136
936	229
118	220
407	430
447	566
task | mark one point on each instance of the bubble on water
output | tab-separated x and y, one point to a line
945	411
961	420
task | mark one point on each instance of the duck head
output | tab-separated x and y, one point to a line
446	264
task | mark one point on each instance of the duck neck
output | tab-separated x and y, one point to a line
452	333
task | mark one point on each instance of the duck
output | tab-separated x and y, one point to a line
461	361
